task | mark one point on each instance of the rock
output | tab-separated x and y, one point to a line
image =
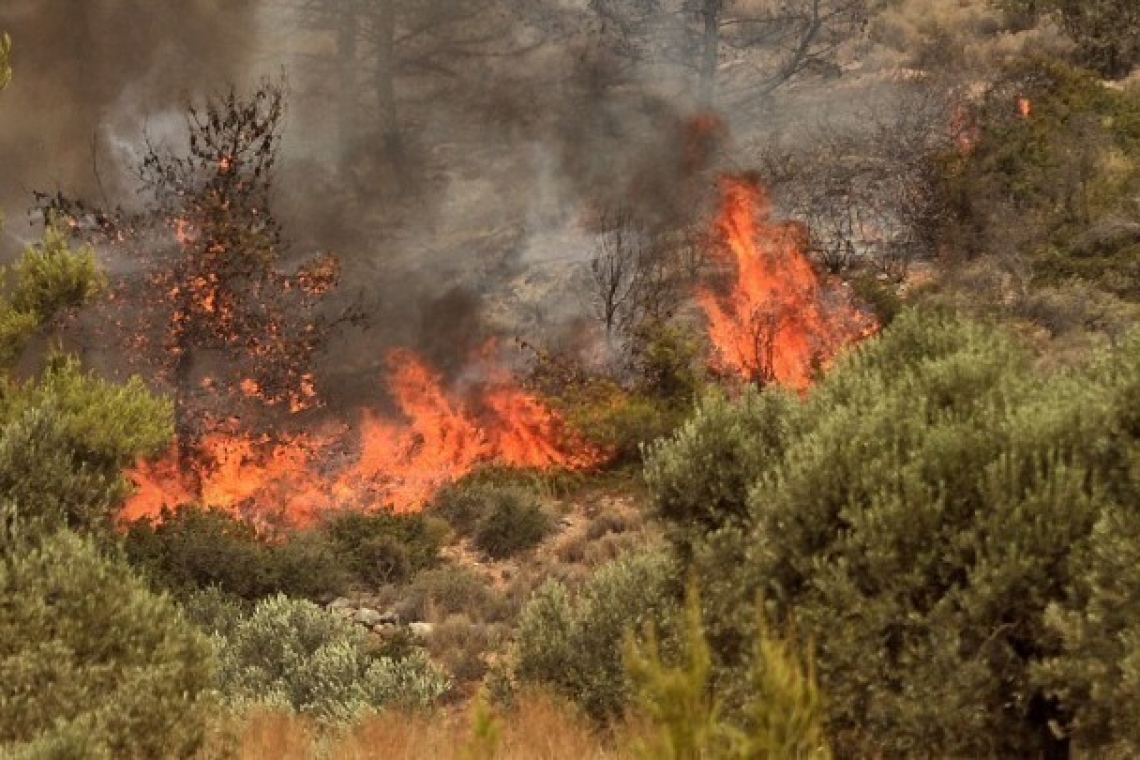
367	616
390	618
421	630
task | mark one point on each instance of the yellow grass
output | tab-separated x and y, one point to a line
538	727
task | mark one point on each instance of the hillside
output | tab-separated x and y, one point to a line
686	379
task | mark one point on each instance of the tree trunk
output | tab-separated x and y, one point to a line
710	52
346	38
391	142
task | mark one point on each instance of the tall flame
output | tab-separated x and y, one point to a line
438	437
777	321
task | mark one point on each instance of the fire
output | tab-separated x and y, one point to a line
1024	107
777	322
439	435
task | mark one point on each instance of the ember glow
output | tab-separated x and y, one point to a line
776	321
439	435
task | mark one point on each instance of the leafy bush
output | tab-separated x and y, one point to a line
513	523
784	711
935	516
700	477
574	646
292	653
65	438
1051	194
91	663
882	297
448	591
384	547
192	548
623	424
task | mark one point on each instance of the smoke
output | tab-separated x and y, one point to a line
90	75
517	121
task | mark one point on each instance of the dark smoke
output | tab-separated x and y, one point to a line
501	157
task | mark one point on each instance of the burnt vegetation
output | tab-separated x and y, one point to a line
687	378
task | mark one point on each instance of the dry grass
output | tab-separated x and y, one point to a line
538	727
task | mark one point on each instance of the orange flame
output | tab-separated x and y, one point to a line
401	462
1024	106
777	322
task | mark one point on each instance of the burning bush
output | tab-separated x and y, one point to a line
776	320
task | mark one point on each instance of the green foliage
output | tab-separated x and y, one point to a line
1058	187
514	522
784	711
65	439
699	478
91	663
451	590
192	548
882	297
501	520
669	363
384	547
677	700
291	653
485	735
922	516
1106	32
574	645
110	424
621	423
49	277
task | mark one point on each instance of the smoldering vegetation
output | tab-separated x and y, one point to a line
458	157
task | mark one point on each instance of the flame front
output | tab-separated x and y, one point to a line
438	438
777	322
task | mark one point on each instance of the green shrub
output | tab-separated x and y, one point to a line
463	505
1052	196
928	517
293	654
384	547
92	664
574	645
699	478
882	297
784	711
515	522
670	363
65	438
194	548
448	591
621	423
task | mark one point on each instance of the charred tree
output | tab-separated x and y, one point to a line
214	315
772	41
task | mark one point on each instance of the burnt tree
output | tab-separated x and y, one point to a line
773	41
213	315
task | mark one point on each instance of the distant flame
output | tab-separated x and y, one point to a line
439	437
777	321
1024	106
